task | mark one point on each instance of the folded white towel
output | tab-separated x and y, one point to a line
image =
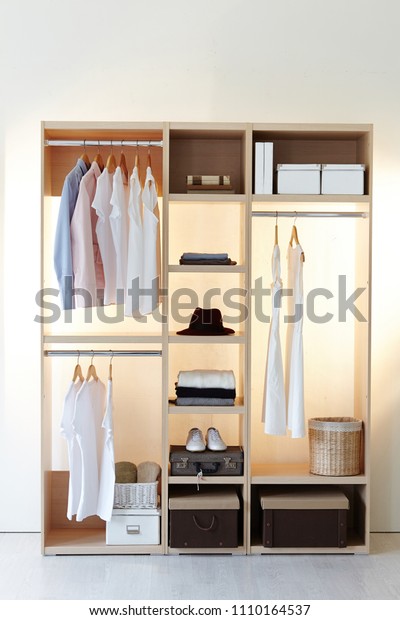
207	379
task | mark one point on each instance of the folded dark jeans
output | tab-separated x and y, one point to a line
205	392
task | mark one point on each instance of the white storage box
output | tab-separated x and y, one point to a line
134	527
299	178
343	179
263	168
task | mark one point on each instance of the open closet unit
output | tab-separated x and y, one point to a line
148	354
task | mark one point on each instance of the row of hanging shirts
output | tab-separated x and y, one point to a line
283	401
87	426
107	242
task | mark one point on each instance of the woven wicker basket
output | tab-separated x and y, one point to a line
335	446
138	495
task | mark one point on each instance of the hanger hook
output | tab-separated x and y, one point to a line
98	146
112	355
295	218
276	218
84	146
91	361
122	146
79	355
111	146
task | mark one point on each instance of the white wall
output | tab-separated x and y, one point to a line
230	60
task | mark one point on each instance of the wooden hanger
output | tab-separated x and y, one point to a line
84	156
78	371
99	160
122	164
294	237
111	163
110	368
92	371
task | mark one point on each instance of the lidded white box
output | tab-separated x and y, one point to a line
343	179
134	526
299	178
263	167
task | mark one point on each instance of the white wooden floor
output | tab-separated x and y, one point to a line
25	574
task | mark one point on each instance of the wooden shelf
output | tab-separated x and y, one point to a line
297	473
206	480
237	409
314	198
237	338
207	269
207	198
101	338
90	542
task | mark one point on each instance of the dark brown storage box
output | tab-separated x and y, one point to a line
226	463
204	518
311	518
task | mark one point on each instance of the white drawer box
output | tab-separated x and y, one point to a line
343	179
134	527
299	178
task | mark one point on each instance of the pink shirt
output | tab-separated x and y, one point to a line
86	258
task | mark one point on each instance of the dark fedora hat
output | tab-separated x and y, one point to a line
206	322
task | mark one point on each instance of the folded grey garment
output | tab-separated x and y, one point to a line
203	256
209	261
182	401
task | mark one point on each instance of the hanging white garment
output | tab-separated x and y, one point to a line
135	245
150	274
274	402
294	345
107	473
74	453
87	424
102	206
119	230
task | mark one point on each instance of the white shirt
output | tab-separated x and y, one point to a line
135	245
150	272
107	473
119	230
74	453
102	206
87	423
274	402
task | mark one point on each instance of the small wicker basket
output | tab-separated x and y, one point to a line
136	495
335	446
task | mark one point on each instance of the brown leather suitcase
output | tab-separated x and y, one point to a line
207	463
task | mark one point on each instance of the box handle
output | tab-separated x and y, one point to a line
133	529
204	529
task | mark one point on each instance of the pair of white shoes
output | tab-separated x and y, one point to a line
195	440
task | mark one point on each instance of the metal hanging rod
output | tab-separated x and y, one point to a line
279	214
91	353
122	143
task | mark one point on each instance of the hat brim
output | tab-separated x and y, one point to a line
189	331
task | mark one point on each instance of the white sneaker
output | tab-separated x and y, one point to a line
195	441
214	441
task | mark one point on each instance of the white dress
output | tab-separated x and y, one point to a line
294	345
87	423
150	275
135	245
119	230
74	453
102	206
107	473
274	403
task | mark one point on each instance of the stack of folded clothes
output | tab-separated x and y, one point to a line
201	258
206	388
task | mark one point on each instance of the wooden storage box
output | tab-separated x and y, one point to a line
204	518
134	527
304	518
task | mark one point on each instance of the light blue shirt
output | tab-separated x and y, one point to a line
62	244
